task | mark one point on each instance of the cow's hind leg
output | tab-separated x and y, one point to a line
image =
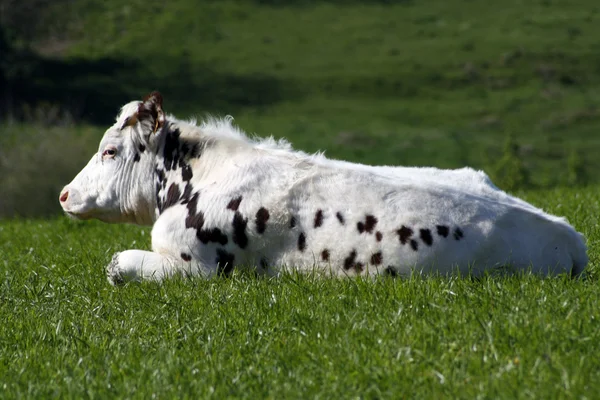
138	265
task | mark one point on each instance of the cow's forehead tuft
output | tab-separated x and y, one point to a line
127	111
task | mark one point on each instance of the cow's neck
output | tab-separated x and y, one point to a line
172	171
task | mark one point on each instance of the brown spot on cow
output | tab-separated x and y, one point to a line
377	258
368	225
325	255
414	244
426	236
262	216
404	233
239	230
350	260
340	217
318	218
458	234
172	196
224	262
234	204
378	236
301	241
442	230
186	257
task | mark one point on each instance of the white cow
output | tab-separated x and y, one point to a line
217	198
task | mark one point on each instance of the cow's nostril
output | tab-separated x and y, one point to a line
64	196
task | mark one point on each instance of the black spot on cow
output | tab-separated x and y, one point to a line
262	216
211	235
158	199
350	261
359	267
325	255
160	174
442	230
360	226
224	262
195	150
141	148
390	271
426	236
340	217
301	241
172	196
368	225
171	149
458	234
318	218
181	163
414	244
194	220
187	192
376	258
404	233
234	204
264	264
292	222
378	236
239	230
184	149
136	157
186	173
186	257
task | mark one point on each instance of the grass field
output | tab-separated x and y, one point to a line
66	333
444	83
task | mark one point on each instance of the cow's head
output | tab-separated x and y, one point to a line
116	185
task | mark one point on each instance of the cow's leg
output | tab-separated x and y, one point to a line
138	265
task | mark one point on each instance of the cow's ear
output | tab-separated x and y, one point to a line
150	114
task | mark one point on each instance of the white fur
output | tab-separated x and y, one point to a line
497	229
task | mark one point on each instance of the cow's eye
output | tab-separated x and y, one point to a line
109	153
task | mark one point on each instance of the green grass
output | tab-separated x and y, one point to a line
67	333
441	83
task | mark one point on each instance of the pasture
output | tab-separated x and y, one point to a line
512	89
67	333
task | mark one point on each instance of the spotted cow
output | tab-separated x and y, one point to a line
219	199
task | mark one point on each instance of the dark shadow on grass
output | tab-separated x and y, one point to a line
306	3
92	90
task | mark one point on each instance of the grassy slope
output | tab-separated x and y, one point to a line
438	83
66	332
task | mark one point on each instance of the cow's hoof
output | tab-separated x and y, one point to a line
113	272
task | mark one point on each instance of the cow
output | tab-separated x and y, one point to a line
218	199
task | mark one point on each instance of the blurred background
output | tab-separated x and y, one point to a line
510	87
